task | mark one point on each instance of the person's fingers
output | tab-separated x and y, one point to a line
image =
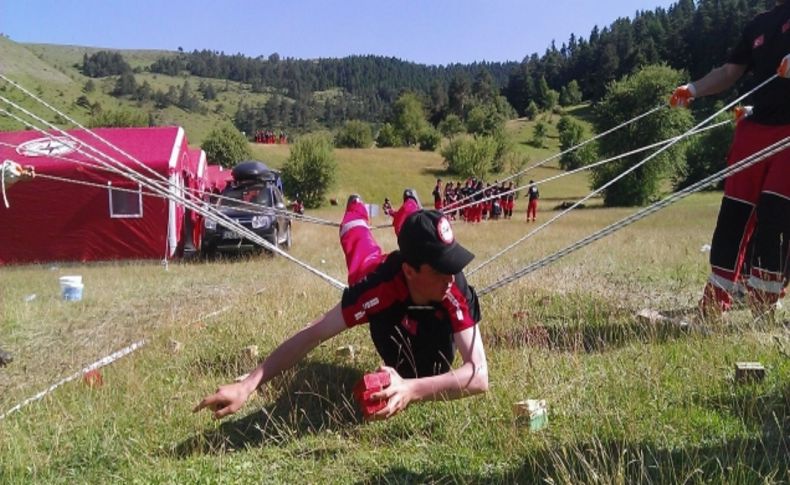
224	412
382	395
207	401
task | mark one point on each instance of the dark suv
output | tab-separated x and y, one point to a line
249	200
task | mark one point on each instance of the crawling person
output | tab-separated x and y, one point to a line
416	302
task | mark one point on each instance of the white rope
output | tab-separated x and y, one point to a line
3	169
207	211
585	168
254	208
104	361
129	156
573	148
722	174
608	184
602	162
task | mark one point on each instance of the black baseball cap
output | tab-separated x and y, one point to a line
427	237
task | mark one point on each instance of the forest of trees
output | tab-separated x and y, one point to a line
689	36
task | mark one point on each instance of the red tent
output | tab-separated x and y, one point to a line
103	215
217	177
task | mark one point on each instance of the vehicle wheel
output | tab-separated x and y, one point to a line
288	240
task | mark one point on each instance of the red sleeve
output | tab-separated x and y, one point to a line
370	296
458	310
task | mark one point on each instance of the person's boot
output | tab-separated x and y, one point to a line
713	304
352	199
411	194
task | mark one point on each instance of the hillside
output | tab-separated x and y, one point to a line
51	72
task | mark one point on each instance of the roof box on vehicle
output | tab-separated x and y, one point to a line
253	170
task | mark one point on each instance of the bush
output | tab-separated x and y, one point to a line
706	155
354	134
572	134
624	100
470	157
310	170
451	125
539	133
118	119
226	146
532	110
429	139
388	137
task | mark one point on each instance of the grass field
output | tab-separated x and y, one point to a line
628	401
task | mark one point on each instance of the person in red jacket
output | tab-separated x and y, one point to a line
417	305
755	209
437	195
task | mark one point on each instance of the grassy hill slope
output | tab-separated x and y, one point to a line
52	72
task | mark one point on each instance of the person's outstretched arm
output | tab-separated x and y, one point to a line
468	379
719	79
230	398
716	81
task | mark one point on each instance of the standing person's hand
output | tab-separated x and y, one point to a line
784	67
226	400
683	96
398	395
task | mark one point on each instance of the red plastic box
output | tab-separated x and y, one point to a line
367	386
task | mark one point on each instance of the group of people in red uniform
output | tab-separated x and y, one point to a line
269	137
475	200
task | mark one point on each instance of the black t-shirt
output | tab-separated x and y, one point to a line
382	296
765	41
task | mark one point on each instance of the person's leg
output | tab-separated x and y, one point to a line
360	248
409	207
736	218
771	238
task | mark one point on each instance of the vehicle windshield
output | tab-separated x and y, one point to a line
236	196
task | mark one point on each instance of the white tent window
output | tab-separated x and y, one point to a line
125	203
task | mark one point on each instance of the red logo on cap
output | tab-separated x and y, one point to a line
445	231
759	41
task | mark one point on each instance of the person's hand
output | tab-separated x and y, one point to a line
784	67
225	401
683	96
398	395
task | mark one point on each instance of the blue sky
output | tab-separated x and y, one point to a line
428	31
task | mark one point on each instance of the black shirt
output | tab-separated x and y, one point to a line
382	296
765	41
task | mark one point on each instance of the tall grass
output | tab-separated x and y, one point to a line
629	401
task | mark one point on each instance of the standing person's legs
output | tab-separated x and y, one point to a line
360	248
771	240
737	216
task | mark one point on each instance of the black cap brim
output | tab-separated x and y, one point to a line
453	260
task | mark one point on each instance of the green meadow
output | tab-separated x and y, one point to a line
629	400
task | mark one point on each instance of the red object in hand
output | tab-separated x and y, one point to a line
366	387
682	96
93	378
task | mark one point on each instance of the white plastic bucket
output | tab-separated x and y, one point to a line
71	288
